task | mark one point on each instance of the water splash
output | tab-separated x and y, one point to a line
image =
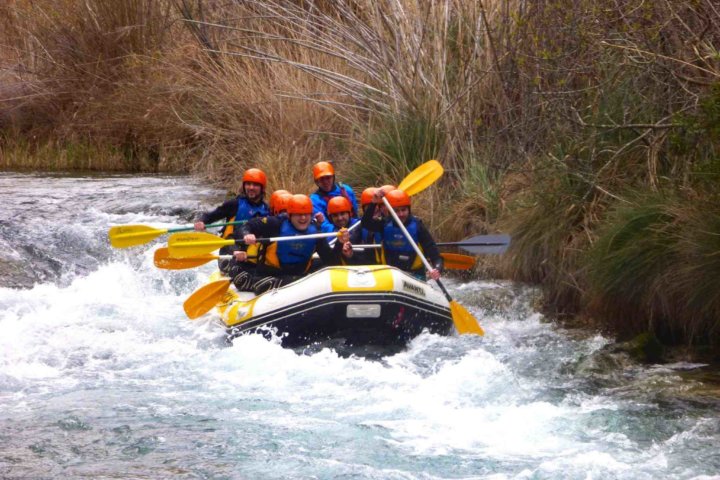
102	375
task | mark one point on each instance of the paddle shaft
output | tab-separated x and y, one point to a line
212	225
332	242
285	239
471	244
414	245
199	243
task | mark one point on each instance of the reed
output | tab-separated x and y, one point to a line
16	153
86	73
650	267
393	146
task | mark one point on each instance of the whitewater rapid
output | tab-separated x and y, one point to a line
103	376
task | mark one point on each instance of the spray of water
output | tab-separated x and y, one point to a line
101	375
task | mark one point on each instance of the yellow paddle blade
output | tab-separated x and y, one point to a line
457	261
421	178
162	259
205	298
123	236
465	323
192	244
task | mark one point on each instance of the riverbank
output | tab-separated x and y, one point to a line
590	135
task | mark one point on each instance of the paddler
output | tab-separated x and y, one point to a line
328	187
340	215
366	198
279	201
248	204
283	262
396	249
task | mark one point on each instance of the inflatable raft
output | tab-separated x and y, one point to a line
362	305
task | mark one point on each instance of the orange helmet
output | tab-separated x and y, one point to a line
367	196
322	169
274	198
255	175
338	205
300	204
388	188
282	203
398	198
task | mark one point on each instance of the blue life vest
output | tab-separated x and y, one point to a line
294	251
394	239
396	250
370	237
320	199
247	210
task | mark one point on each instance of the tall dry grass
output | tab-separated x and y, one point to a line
89	73
390	84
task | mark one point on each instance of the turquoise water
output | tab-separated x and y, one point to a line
103	376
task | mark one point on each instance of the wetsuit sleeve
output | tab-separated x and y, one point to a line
262	227
430	249
370	223
328	255
249	227
245	229
225	211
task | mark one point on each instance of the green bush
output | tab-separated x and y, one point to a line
655	265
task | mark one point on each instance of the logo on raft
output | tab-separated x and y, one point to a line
412	288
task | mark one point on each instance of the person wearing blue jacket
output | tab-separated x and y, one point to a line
328	187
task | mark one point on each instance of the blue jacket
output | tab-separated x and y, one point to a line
320	200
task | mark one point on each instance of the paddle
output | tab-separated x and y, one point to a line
193	244
162	259
421	178
123	236
415	182
463	320
480	244
452	261
205	298
456	261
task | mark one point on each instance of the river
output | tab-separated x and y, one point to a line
103	376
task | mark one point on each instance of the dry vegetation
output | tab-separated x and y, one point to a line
560	121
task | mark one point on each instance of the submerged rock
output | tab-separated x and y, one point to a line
15	274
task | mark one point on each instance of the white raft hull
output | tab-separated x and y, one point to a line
363	305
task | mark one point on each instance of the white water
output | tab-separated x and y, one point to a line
102	376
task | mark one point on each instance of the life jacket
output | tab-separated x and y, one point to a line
291	252
246	211
396	250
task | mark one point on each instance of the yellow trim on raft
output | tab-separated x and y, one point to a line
346	280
